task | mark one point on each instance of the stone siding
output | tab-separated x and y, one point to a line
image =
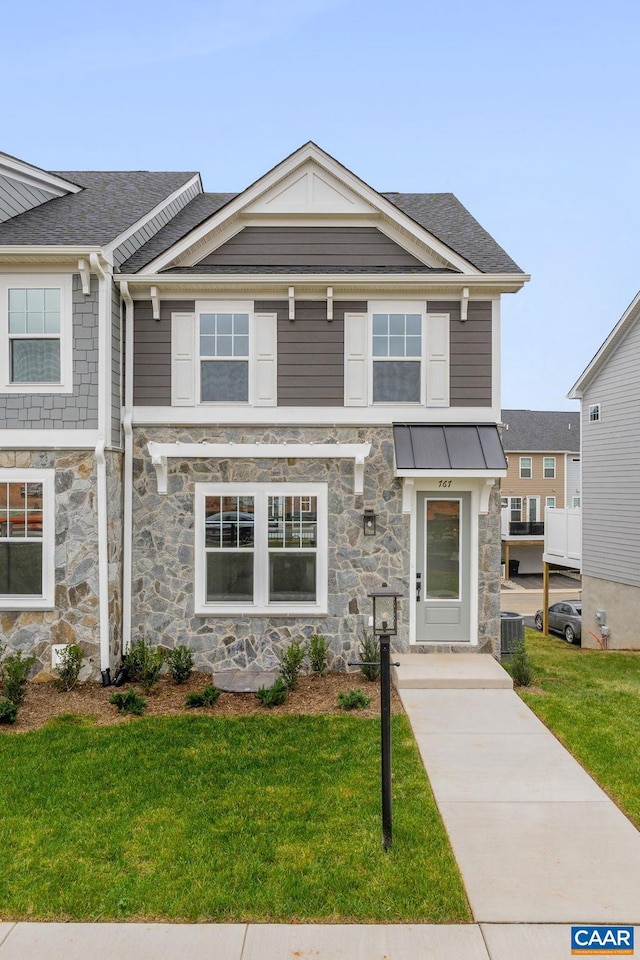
163	549
78	410
75	616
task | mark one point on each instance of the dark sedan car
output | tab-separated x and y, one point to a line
564	618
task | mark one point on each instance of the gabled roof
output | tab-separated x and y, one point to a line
109	203
543	431
610	345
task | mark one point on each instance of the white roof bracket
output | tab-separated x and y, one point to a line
464	303
85	276
329	303
155	303
292	303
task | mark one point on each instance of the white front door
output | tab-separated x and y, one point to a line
443	565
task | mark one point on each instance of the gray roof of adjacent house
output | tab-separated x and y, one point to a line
544	431
109	204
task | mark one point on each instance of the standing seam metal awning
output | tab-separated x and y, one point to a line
435	446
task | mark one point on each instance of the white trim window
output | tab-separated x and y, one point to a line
36	328
260	548
223	356
550	503
515	509
526	468
396	352
549	468
27	541
595	413
575	502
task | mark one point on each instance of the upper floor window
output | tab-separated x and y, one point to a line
397	357
549	468
36	330
224	357
595	412
526	468
26	539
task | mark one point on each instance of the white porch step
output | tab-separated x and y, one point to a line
449	670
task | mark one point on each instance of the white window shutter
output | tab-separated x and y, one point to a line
437	359
266	369
355	360
183	342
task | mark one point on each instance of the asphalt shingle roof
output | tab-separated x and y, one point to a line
541	430
110	203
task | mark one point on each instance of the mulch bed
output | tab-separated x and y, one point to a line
312	695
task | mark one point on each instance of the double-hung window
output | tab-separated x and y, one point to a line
397	357
549	468
36	330
261	548
224	356
526	468
26	539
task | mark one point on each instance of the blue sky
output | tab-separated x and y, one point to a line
527	112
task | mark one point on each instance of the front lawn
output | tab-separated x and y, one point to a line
271	818
590	699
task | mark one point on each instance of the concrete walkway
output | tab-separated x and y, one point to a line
540	847
536	840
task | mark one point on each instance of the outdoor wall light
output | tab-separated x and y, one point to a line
369	523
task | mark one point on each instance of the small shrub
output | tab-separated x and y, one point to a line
180	662
317	652
206	698
369	653
68	667
353	700
129	702
8	711
144	663
520	667
14	673
273	696
291	663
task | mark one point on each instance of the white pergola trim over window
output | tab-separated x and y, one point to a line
161	453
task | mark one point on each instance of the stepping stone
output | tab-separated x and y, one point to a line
244	681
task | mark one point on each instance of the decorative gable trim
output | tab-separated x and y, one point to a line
32	176
309	174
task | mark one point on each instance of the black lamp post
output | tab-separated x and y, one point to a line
385	626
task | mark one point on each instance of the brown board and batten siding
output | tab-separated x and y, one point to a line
311	247
152	352
470	346
310	351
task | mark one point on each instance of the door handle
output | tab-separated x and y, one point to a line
418	586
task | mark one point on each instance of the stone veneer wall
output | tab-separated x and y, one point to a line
163	549
75	616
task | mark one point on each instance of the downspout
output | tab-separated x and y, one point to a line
128	468
104	385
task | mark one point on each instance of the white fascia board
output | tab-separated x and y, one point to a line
627	320
478	283
331	166
51	250
159	207
35	177
162	452
374	416
48	439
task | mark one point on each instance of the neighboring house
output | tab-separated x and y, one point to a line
543	456
225	418
609	393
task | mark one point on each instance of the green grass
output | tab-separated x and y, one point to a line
591	701
220	819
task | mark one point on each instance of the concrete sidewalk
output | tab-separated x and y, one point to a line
120	941
536	840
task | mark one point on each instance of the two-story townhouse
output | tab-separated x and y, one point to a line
609	394
543	472
310	406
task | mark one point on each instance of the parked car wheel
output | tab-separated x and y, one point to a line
569	635
538	621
